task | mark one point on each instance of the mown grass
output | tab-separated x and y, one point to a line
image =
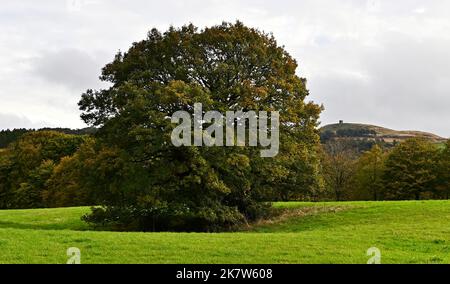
405	232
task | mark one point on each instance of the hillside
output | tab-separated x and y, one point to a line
404	232
372	132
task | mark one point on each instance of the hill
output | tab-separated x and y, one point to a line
355	130
404	232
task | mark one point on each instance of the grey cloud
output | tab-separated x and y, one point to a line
403	86
11	121
72	68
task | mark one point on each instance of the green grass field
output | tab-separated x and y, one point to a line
405	232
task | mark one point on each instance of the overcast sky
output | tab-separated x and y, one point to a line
379	62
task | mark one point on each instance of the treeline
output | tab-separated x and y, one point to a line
357	140
32	171
46	169
346	132
8	136
415	169
51	169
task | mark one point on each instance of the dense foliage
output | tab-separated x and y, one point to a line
28	164
9	136
414	169
442	182
369	174
226	68
410	170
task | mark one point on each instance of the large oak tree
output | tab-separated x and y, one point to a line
228	67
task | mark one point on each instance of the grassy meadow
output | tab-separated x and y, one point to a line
405	232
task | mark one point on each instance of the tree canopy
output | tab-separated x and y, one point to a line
228	67
27	164
410	171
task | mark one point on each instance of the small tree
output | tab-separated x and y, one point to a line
5	182
410	170
369	173
443	172
339	169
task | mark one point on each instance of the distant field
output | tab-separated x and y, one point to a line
405	232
